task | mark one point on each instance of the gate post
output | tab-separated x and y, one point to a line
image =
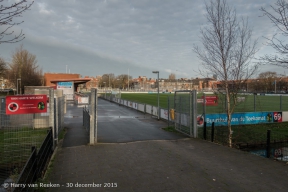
194	116
52	114
93	117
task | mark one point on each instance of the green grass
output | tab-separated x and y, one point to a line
62	133
17	143
262	103
256	133
150	99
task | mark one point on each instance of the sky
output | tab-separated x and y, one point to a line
95	37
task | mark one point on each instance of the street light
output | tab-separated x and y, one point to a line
17	86
108	79
158	93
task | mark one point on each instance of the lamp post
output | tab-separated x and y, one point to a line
108	79
17	86
158	93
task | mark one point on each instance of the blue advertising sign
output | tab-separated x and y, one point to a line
244	118
61	85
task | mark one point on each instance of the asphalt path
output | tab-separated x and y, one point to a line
118	124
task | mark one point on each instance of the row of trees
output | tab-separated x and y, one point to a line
112	81
23	66
268	82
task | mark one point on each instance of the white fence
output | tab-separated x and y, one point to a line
145	108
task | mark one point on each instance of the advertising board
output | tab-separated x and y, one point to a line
244	118
23	104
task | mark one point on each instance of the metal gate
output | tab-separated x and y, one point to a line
185	112
90	117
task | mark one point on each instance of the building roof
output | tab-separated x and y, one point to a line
75	80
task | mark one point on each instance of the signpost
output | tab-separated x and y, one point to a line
23	104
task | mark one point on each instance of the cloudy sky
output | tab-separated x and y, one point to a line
94	37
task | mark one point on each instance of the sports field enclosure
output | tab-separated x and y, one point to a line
247	103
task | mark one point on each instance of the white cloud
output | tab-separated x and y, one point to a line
142	35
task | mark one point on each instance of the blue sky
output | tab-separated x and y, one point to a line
94	37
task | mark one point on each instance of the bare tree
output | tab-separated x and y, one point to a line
228	50
279	17
107	80
24	66
123	81
8	13
3	67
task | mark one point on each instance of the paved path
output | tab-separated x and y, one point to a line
118	124
163	165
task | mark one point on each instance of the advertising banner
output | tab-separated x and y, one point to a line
23	104
211	100
141	107
135	105
149	109
64	85
244	118
164	113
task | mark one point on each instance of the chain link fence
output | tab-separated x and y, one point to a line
20	132
245	103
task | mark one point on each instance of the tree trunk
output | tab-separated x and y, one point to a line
228	111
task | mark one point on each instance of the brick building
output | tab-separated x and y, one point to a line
54	76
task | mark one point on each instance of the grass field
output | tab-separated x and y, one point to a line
256	133
15	144
245	133
262	103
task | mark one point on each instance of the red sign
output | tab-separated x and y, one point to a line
277	116
22	104
210	100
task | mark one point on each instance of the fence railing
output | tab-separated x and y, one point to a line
267	145
279	145
19	132
35	166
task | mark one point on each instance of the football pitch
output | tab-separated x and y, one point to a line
249	103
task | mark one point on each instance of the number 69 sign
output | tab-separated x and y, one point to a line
277	117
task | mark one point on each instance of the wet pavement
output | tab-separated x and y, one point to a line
118	124
136	160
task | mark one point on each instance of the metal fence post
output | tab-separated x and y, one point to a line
168	110
280	102
204	131
254	102
268	143
52	114
191	113
96	118
212	132
204	106
92	115
56	119
194	106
